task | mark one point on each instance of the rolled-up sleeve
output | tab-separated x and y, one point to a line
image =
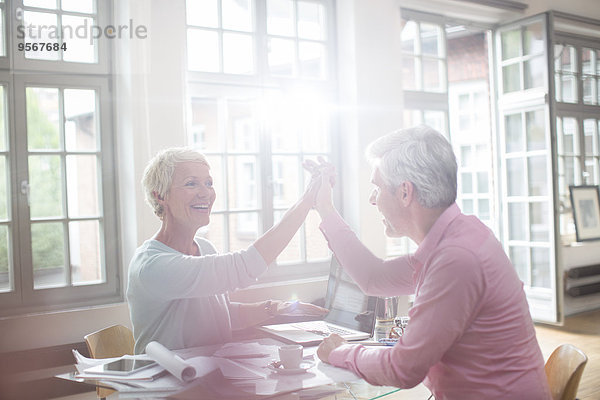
375	277
446	303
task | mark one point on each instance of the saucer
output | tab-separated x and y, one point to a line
277	367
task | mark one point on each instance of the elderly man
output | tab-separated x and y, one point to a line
470	334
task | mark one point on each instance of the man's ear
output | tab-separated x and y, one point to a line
405	193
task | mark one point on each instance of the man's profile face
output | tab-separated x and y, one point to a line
384	198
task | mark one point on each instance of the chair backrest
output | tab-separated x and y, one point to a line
114	341
563	370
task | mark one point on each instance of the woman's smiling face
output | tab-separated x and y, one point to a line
191	195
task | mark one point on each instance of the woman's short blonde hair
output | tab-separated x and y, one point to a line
158	174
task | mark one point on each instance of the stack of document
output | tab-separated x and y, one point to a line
235	370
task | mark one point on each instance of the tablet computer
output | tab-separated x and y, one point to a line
124	366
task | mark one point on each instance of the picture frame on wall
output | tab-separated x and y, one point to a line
585	201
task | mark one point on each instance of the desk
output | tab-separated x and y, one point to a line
320	382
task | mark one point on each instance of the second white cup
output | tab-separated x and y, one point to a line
290	355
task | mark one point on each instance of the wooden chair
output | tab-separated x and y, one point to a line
114	341
564	369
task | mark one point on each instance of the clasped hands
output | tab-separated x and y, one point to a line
323	179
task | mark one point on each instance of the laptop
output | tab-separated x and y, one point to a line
351	314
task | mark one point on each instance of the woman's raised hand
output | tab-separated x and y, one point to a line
324	172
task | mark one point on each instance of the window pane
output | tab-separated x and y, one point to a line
83	6
243	182
41	27
285	181
566	59
517	221
409	77
466	182
204	132
84	245
203	13
534	39
3	119
215	231
203	50
280	17
314	128
2	38
218	175
79	49
514	133
536	133
540	267
516	178
433	75
281	57
538	185
238	54
587	61
483	185
243	230
467	206
436	120
80	120
237	15
409	34
568	86
82	186
46	196
484	209
590	138
42	119
242	134
569	136
466	156
312	60
511	78
431	38
6	283
534	71
520	259
4	194
48	255
539	227
51	4
311	21
292	252
511	44
588	90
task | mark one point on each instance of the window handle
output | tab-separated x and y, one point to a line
25	190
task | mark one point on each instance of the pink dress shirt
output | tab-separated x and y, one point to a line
470	335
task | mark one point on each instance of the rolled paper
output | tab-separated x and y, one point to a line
171	361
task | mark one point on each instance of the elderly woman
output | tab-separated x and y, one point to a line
178	284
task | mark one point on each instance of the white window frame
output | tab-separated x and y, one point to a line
23	298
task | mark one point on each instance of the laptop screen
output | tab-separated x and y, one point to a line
348	305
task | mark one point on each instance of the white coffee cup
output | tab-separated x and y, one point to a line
290	355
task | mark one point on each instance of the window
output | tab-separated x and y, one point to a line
445	80
577	85
259	92
57	220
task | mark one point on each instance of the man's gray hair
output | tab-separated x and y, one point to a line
422	156
158	174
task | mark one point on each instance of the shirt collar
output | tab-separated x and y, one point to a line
436	232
